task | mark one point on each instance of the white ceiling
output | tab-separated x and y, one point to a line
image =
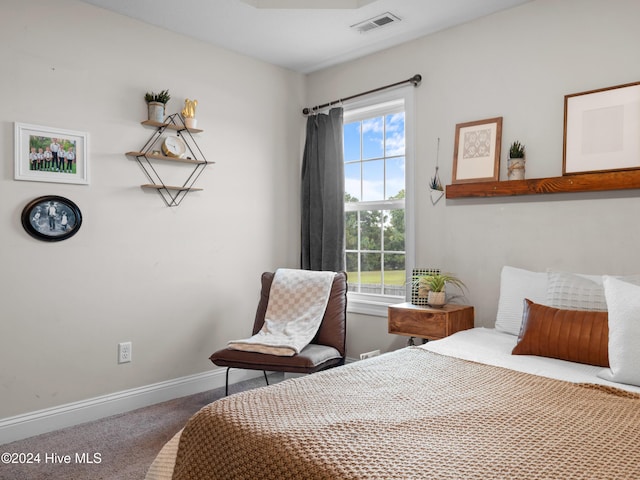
303	35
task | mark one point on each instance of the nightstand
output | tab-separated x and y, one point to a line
429	323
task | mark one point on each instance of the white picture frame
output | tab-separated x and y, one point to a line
46	165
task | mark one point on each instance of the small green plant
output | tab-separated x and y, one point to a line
516	150
435	184
437	281
162	97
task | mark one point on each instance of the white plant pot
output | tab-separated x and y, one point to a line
156	112
437	299
515	168
435	195
190	122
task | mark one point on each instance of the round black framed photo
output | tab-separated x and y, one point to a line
51	218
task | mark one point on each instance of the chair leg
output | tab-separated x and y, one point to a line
226	381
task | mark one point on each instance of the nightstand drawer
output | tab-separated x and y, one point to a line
418	323
430	323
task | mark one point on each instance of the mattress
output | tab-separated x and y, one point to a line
489	346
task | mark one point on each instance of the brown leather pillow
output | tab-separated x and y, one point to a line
577	336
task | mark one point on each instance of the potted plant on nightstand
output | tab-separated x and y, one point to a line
156	103
515	164
436	284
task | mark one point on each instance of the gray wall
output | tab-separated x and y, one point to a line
517	64
177	282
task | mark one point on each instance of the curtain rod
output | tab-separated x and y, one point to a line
415	80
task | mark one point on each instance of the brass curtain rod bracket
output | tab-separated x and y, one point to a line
415	81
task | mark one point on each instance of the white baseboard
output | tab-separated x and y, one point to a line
54	418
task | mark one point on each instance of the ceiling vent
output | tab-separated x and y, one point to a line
375	22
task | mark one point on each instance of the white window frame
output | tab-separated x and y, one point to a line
376	304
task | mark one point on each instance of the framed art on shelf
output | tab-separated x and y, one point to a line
476	153
46	154
51	218
602	130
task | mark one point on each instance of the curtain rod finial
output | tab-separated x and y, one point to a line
306	111
416	79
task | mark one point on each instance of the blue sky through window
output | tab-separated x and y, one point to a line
374	157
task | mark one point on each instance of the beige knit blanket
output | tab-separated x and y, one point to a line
416	414
297	302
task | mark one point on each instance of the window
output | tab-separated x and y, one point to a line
378	162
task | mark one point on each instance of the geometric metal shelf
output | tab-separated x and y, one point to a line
171	194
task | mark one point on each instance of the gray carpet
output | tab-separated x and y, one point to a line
124	445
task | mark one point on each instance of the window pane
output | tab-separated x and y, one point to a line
372	131
394	179
371	273
394	231
394	141
351	231
373	180
370	230
352	268
352	182
394	276
352	141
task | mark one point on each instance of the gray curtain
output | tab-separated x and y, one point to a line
323	193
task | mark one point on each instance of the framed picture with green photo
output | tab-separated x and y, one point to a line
47	154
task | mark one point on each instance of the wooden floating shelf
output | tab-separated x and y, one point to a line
584	182
169	187
151	123
164	157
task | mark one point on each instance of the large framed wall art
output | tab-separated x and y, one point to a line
602	130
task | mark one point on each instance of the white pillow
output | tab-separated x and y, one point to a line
577	291
516	284
623	300
570	291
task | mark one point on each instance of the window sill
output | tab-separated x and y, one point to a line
374	305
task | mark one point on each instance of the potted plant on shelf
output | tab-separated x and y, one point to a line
156	103
515	164
436	284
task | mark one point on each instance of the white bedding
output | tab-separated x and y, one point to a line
487	345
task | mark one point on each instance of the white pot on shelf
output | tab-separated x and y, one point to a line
156	112
437	299
515	168
190	122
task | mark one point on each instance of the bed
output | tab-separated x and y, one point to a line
461	407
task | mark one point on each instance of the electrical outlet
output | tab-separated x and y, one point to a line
124	352
373	353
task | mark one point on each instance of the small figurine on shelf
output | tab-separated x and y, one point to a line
189	113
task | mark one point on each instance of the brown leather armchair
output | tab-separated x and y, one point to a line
326	350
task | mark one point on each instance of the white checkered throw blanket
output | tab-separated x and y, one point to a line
297	302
